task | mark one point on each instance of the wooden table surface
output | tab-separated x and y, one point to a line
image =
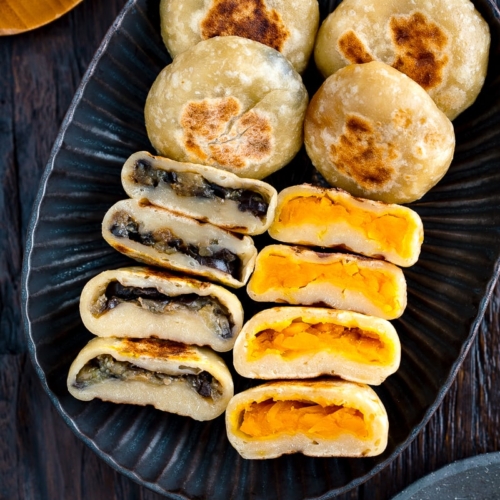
40	458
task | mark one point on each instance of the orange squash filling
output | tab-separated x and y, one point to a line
391	230
272	418
300	338
276	271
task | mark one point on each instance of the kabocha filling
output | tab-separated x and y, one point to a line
276	271
192	184
392	230
209	308
301	338
271	418
164	241
105	367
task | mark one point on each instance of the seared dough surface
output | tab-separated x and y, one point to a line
230	103
288	26
443	45
377	134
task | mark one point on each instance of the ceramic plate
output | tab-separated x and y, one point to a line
447	290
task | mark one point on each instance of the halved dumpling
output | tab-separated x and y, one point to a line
320	418
306	342
159	237
140	302
204	193
296	275
310	215
173	377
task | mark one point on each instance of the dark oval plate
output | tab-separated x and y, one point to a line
448	288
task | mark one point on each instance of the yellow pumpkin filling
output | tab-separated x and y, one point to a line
272	418
300	338
276	272
391	230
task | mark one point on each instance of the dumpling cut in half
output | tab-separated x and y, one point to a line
377	134
296	275
310	215
173	377
156	236
289	26
138	302
442	45
306	342
204	193
231	103
320	418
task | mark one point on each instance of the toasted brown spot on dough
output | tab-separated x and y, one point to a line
419	49
360	153
353	49
217	134
157	348
246	18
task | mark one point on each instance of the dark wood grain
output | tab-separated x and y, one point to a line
40	458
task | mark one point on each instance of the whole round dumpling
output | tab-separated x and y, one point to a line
288	26
231	103
442	44
377	134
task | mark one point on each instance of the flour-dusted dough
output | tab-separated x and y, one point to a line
204	193
317	341
288	26
356	400
442	44
156	236
141	302
230	103
316	216
377	134
173	377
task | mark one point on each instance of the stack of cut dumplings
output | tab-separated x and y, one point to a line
339	327
156	331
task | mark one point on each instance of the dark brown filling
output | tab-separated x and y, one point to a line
213	313
191	184
105	367
164	241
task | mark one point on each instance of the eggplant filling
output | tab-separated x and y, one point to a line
164	241
213	313
192	184
105	367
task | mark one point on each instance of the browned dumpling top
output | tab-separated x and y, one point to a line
375	133
231	103
288	26
443	45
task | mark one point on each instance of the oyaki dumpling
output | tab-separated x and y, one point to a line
316	216
288	26
299	276
230	103
173	377
377	134
306	342
320	418
443	45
